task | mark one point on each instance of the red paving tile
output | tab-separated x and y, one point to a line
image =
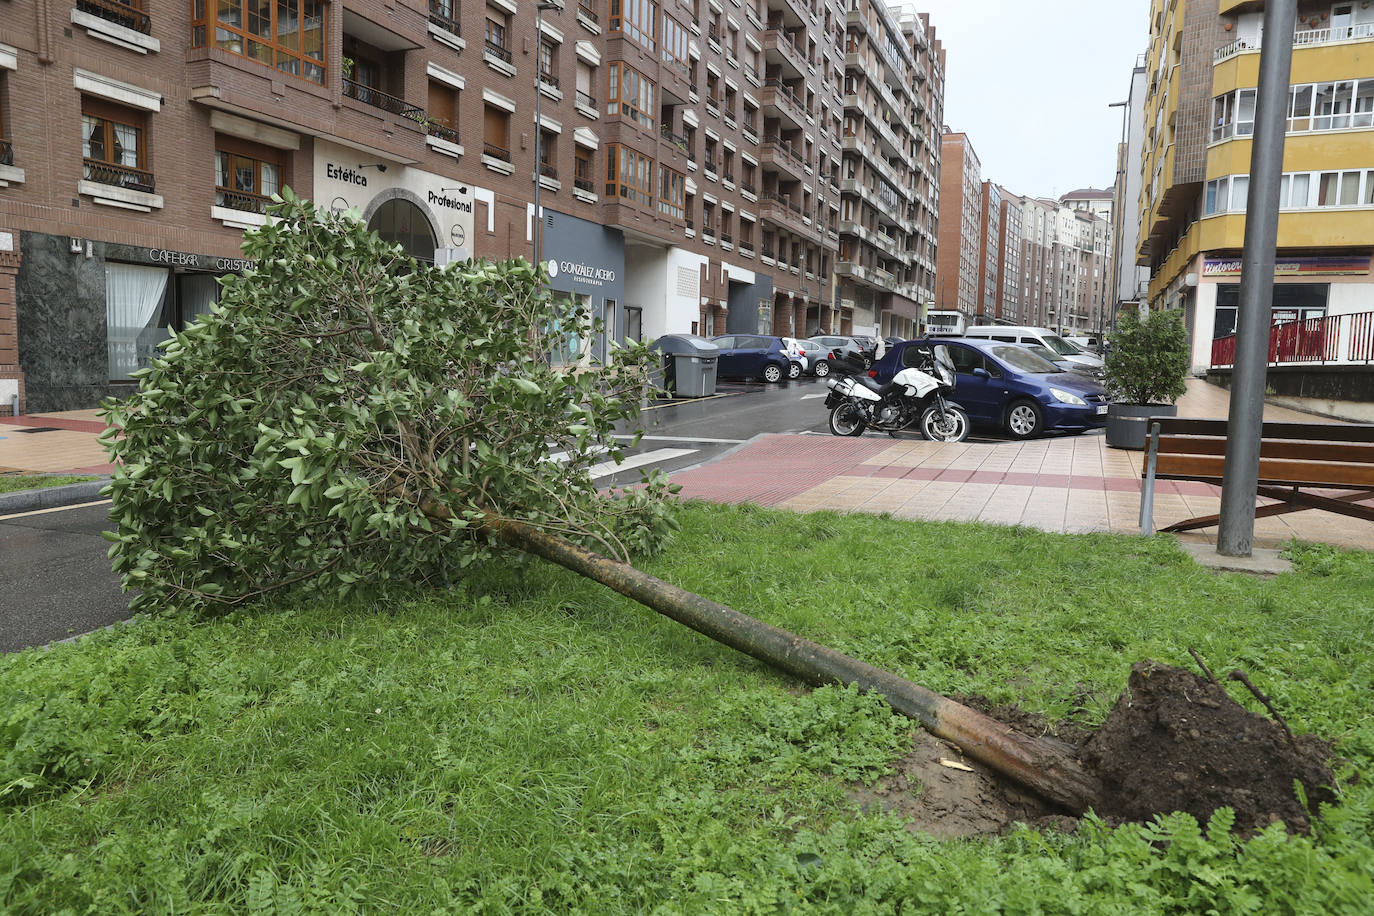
773	468
38	420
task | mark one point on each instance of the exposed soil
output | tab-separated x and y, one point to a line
1175	741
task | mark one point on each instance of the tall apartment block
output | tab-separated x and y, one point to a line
961	204
893	98
686	156
1199	104
1132	280
1007	297
1066	272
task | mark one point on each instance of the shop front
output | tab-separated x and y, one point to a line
92	313
585	263
429	215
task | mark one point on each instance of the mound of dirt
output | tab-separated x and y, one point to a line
1173	742
1176	741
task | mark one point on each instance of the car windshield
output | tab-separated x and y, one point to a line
1023	360
1044	353
1061	346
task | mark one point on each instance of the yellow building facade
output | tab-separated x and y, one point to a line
1202	74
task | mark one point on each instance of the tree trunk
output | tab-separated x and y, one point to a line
1039	765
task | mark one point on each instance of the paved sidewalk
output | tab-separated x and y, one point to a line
53	443
1058	483
1070	484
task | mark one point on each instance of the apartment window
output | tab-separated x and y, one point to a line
629	175
548	62
443	111
547	154
114	145
672	192
1331	106
635	18
444	13
1338	189
1332	103
1233	115
582	169
496	133
675	44
245	176
1294	190
585	77
630	93
6	149
286	34
496	34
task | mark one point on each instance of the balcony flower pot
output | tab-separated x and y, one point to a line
1146	365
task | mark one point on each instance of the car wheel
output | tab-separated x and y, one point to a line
847	420
772	373
1025	419
822	368
794	370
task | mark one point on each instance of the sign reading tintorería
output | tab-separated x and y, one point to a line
1330	266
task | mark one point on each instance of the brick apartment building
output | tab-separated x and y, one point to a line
689	156
958	277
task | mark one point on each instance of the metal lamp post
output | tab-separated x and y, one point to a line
539	122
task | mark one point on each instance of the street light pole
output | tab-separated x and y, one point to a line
539	122
1254	318
1118	217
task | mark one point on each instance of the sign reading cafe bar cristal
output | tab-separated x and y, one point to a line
184	260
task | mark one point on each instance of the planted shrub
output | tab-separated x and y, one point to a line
1147	362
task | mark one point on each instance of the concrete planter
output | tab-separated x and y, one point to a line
1126	423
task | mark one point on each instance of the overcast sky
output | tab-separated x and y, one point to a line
1030	82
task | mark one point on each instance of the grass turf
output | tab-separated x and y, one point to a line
12	483
531	742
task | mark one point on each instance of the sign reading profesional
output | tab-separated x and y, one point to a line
1321	266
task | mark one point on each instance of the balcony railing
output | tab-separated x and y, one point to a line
584	184
495	152
585	100
126	14
548	171
674	138
6	152
379	99
442	131
1301	38
749	188
441	14
548	79
585	9
727	239
242	200
121	176
498	51
1333	339
781	201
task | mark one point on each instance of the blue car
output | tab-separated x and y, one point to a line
752	356
1008	386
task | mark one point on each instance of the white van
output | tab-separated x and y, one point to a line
1043	336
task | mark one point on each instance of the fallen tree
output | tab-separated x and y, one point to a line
346	416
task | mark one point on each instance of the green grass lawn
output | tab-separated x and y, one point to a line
11	483
531	742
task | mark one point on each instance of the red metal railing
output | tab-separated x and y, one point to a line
1330	339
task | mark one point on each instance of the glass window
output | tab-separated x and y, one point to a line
1300	113
285	34
1350	189
1245	112
1327	189
136	316
630	93
245	183
1300	189
1240	187
1024	360
1364	104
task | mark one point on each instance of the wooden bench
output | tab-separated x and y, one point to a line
1295	458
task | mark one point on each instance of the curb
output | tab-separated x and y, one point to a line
52	497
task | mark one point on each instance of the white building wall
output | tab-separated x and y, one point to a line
646	284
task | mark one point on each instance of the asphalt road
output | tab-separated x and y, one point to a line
56	582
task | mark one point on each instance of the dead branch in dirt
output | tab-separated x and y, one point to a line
1203	665
1238	675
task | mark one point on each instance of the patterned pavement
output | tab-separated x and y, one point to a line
1072	484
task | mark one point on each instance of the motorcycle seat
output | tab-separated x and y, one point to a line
881	390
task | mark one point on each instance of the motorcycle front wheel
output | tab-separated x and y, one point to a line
847	420
953	426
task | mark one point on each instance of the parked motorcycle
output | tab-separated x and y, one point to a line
915	398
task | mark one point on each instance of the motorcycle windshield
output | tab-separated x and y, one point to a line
944	363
